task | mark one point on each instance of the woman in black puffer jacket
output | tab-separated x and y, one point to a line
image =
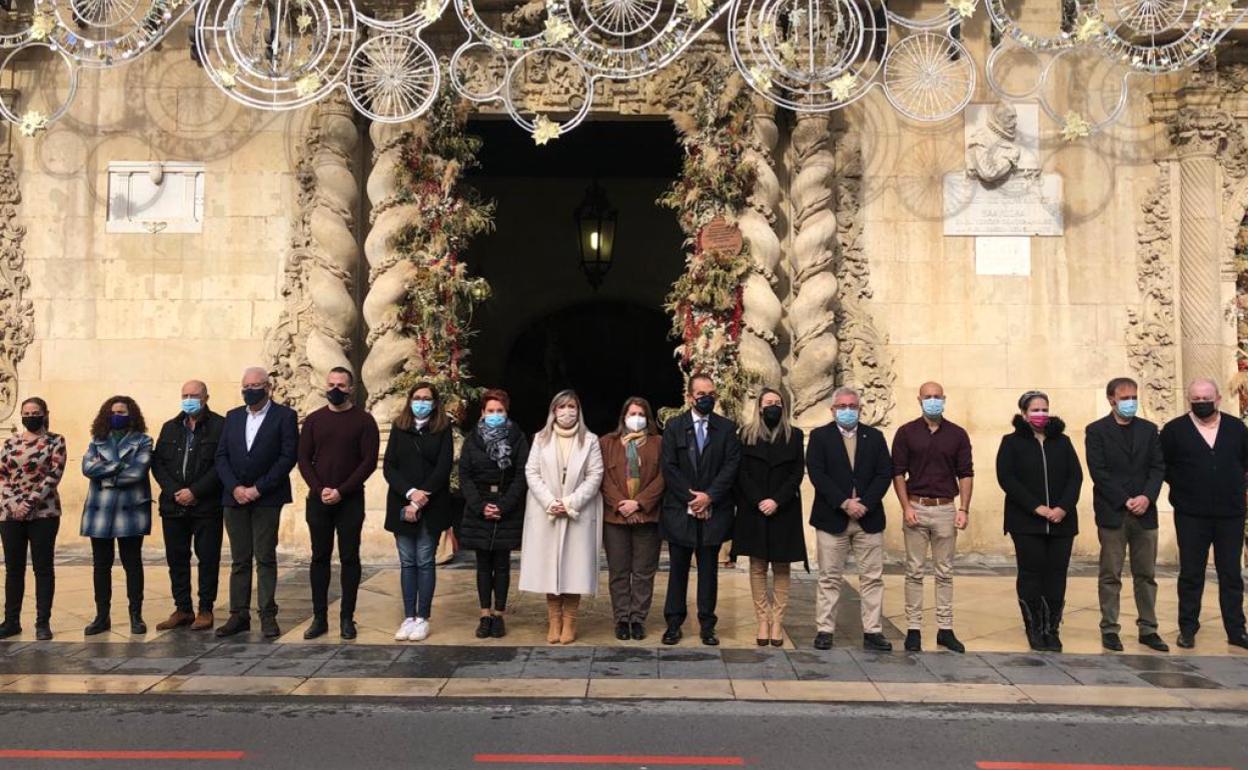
1039	471
491	479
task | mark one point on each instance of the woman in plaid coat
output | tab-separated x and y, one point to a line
118	509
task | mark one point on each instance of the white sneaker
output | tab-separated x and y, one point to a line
420	630
405	631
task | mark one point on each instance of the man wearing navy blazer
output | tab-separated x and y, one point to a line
851	470
259	448
700	457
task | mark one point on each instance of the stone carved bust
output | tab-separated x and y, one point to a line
992	154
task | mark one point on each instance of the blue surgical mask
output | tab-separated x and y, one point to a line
847	418
495	420
422	409
119	421
1127	407
933	407
192	406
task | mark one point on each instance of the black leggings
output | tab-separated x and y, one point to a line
131	549
493	578
1042	564
40	536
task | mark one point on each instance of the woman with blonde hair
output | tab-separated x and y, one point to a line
563	516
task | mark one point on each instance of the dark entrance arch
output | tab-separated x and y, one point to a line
605	350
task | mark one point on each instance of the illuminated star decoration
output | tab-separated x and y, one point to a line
965	8
698	9
1075	127
228	76
788	54
544	129
761	77
32	123
431	10
557	30
1218	10
843	86
308	84
41	26
1090	26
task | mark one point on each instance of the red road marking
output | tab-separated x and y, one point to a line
1060	766
83	754
607	759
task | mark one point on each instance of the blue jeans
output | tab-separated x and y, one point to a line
417	572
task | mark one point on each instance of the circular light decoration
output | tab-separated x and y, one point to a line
393	77
478	72
107	33
426	13
32	122
929	76
275	54
808	55
533	118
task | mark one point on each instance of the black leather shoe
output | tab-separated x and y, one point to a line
710	639
269	627
1111	642
1154	641
672	635
638	631
10	628
137	626
823	641
876	643
485	626
946	638
348	630
621	631
319	627
1186	641
235	624
914	641
1238	640
498	629
98	626
43	632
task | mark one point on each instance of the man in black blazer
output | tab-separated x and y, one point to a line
851	470
701	453
1124	459
259	447
1206	454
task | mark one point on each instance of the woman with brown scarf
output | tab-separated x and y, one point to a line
632	486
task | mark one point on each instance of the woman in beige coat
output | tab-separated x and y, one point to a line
563	516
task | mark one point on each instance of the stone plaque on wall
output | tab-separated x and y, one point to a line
1022	205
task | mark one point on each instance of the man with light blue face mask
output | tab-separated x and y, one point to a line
1127	468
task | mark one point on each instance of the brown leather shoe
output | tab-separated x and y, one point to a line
203	621
176	620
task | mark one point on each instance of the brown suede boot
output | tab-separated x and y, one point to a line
176	620
203	621
570	604
554	617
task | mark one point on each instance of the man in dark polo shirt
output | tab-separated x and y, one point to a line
931	467
337	453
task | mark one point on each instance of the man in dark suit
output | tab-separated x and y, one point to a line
1124	459
259	447
851	471
1206	455
701	453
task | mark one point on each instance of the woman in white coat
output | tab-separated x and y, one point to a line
563	516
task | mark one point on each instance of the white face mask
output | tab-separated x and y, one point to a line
635	422
566	417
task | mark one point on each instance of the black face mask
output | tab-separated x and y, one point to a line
336	397
1204	409
33	424
253	396
771	416
704	404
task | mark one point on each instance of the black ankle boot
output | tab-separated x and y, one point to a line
10	627
1033	623
137	626
1053	622
101	624
319	627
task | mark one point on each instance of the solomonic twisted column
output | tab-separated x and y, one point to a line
761	310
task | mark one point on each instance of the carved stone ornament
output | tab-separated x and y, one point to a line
1200	131
1150	329
17	313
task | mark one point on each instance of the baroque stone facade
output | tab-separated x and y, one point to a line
17	321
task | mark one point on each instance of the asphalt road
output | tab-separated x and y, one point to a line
258	733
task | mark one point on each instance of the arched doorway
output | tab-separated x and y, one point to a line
606	351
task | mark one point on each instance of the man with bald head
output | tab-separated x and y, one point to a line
184	465
1206	454
259	448
932	471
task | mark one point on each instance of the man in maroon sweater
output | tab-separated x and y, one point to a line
337	453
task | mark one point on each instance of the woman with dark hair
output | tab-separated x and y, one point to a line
1039	471
31	465
562	516
768	526
417	467
118	511
632	486
491	478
